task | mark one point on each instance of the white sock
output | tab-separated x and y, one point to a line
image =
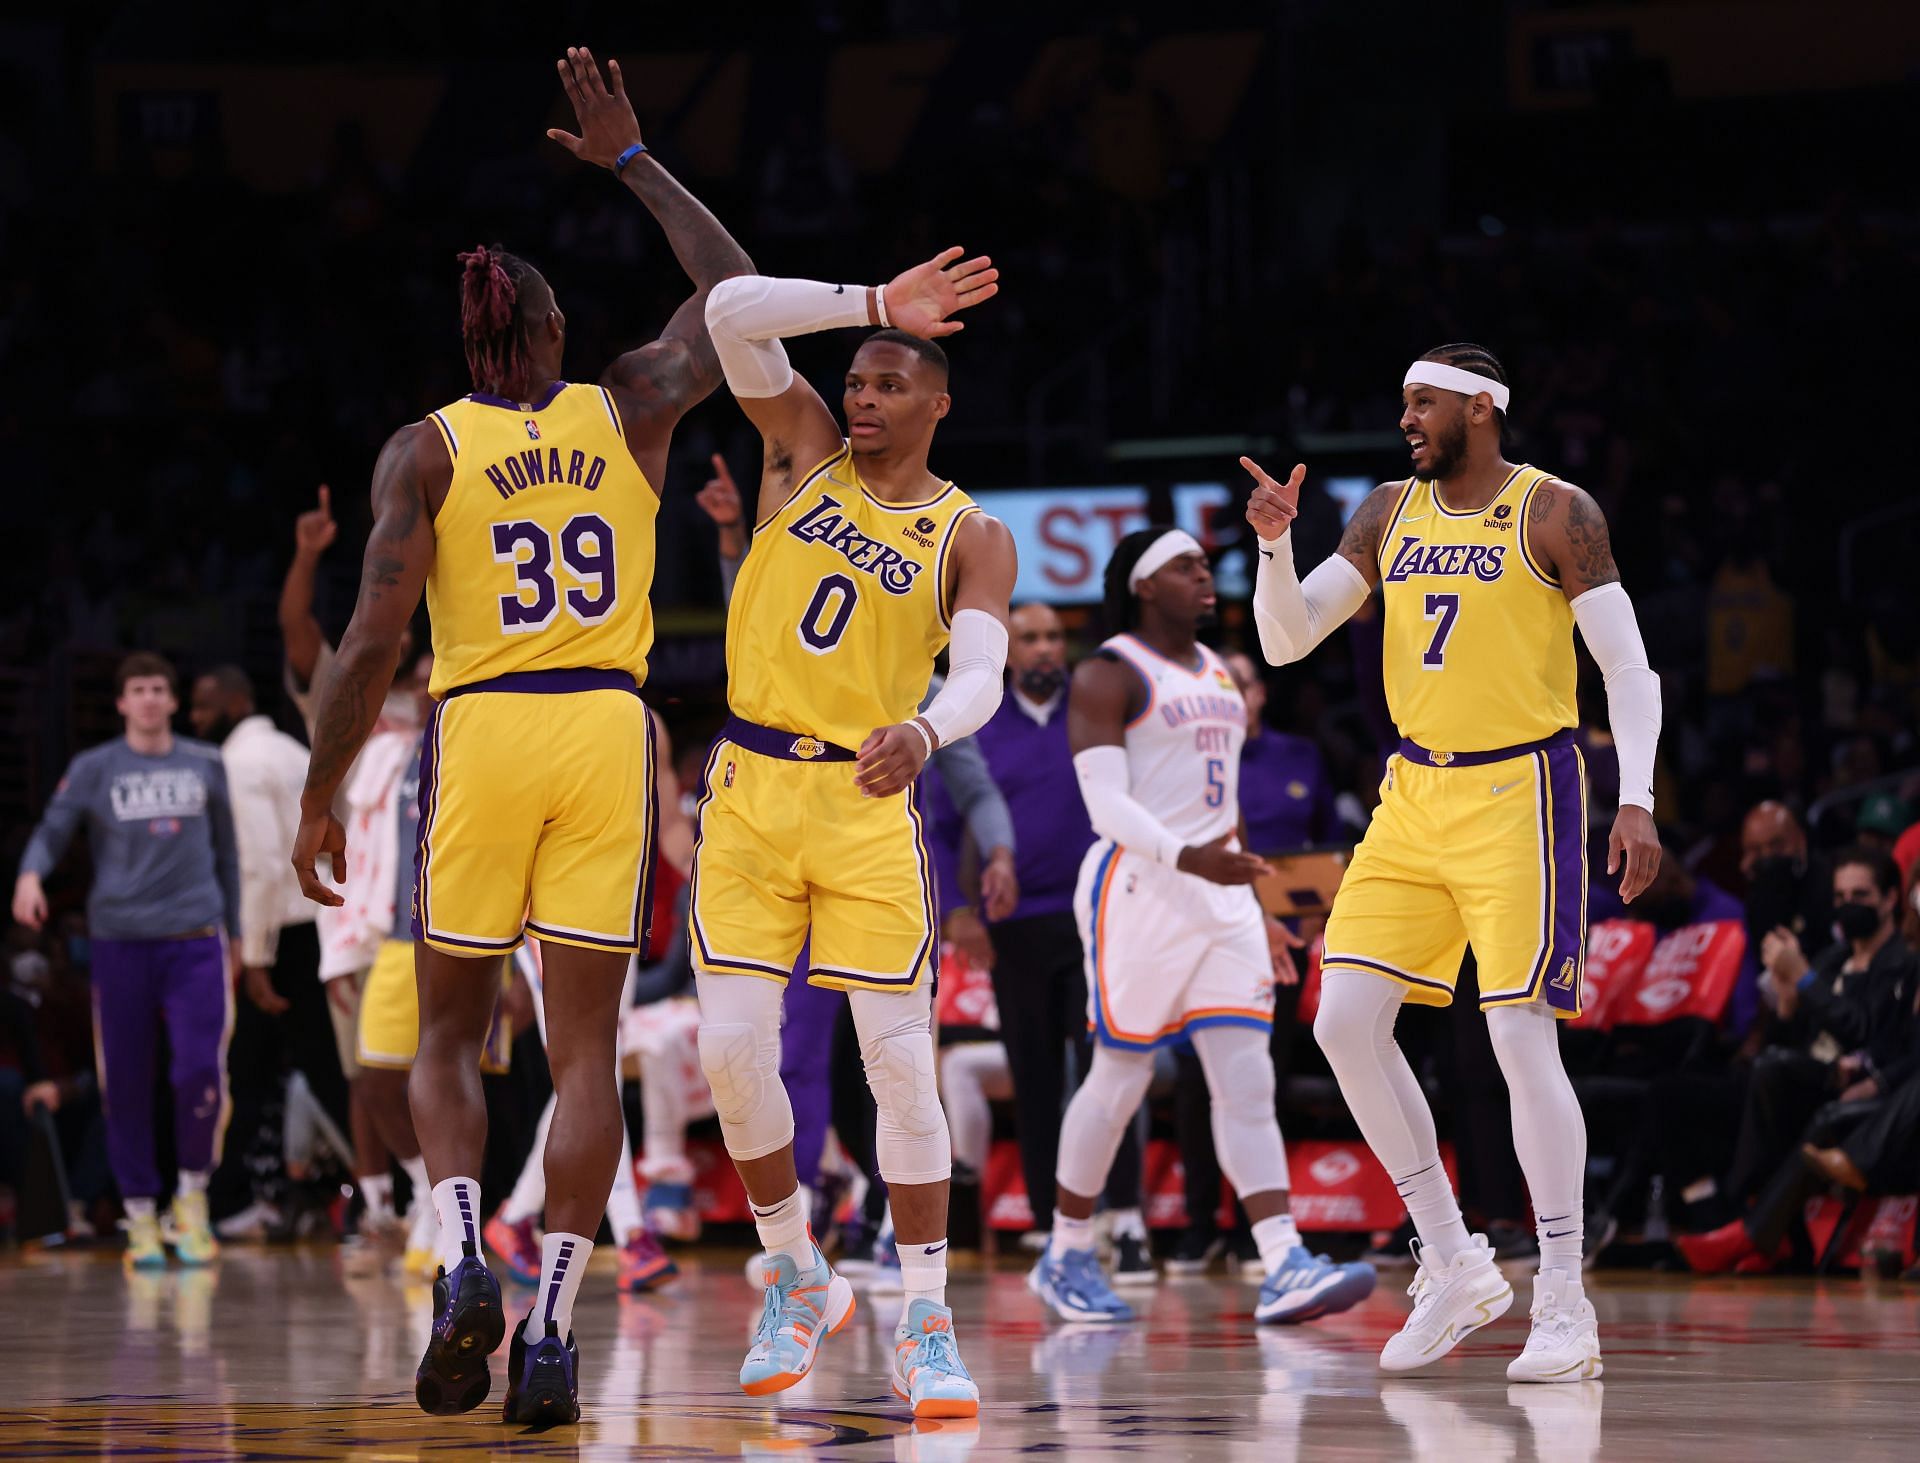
192	1181
1562	1240
1070	1233
783	1228
377	1190
1275	1236
1127	1222
415	1168
457	1202
138	1208
563	1260
623	1202
923	1274
1435	1213
529	1194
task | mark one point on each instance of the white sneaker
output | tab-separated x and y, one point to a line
1565	1344
1448	1306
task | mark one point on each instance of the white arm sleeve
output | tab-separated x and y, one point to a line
747	315
1107	791
1606	620
976	657
1293	617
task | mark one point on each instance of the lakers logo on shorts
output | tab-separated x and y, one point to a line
1440	759
807	748
1564	980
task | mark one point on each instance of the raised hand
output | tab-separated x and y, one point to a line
721	496
1273	505
605	116
314	531
1219	864
920	299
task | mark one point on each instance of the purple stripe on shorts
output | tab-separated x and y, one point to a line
1565	943
559	682
429	775
643	900
1416	753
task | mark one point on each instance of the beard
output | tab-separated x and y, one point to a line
1041	683
1449	452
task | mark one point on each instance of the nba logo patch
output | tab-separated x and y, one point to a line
533	430
727	781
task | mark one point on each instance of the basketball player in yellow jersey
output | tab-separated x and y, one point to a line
526	512
863	564
1480	836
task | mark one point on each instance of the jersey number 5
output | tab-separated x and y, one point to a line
1446	609
586	549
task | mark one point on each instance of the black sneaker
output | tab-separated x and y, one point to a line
1133	1261
1512	1241
467	1325
1197	1250
1601	1230
543	1380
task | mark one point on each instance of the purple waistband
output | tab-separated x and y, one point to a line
551	683
787	746
1414	752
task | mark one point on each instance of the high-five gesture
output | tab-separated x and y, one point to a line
607	124
1273	505
920	299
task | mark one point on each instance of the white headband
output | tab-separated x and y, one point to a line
1163	551
1452	378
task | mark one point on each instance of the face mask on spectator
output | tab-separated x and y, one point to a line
1856	921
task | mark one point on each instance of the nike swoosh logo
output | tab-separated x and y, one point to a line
1413	518
1560	1234
1266	553
839	289
1500	787
933	1250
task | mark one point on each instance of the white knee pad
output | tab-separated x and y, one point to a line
896	1046
740	1054
1098	1116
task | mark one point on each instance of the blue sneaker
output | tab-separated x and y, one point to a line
543	1380
1071	1282
467	1325
927	1370
803	1308
1304	1286
884	1277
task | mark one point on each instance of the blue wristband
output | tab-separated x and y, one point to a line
628	156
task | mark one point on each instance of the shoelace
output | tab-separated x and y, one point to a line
1551	1325
1424	1293
936	1351
769	1326
1083	1273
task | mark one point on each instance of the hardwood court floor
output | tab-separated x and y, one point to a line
278	1355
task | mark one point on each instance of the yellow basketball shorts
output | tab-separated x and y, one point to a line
390	1015
537	815
1487	848
787	846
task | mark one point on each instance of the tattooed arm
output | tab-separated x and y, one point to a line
1360	544
409	482
1567	533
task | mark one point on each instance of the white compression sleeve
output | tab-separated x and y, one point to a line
976	659
1608	625
747	315
1293	617
1107	790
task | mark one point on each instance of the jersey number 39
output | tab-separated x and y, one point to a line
585	551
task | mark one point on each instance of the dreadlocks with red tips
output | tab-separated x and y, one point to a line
500	295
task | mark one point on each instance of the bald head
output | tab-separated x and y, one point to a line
1771	831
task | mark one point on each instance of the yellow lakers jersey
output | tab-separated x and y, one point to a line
841	607
1479	637
544	548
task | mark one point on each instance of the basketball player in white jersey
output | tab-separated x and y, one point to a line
1176	944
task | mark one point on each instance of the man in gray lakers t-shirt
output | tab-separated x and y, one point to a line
164	904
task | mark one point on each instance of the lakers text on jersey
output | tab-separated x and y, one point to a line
839	611
537	796
1168	952
1480	835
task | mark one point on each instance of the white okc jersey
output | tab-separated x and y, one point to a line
1168	952
1183	750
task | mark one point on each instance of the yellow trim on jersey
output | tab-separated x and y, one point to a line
446	434
1446	512
1526	549
879	502
942	600
613	410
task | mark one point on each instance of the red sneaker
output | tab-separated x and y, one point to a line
516	1248
644	1265
1718	1250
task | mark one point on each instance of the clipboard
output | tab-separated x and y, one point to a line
1302	883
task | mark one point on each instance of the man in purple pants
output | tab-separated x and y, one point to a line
164	906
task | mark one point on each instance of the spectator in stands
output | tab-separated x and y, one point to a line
1285	792
1882	819
1039	972
1842	1028
1786	889
163	915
